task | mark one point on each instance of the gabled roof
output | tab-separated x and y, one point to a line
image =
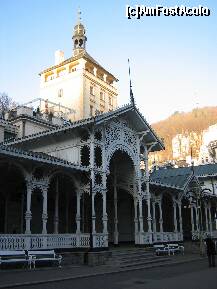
84	55
39	157
178	178
171	178
130	110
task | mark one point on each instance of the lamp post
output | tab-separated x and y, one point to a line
90	214
197	196
91	178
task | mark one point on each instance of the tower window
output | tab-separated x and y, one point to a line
102	95
49	77
91	110
76	43
91	90
110	100
80	42
60	92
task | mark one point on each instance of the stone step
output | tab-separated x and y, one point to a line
143	263
146	259
135	252
135	257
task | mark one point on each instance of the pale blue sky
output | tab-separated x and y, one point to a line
173	59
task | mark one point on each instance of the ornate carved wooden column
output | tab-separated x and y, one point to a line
92	179
197	218
148	199
67	213
154	216
56	212
115	210
141	225
28	214
174	217
105	217
56	209
210	217
192	219
78	213
161	216
44	213
206	217
93	213
180	216
136	223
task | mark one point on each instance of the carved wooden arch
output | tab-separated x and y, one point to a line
68	174
129	191
23	170
168	194
119	147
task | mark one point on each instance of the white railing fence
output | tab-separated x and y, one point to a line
161	237
196	234
48	241
100	240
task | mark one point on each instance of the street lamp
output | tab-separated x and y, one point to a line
197	195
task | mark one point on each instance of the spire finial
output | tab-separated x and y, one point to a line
79	15
79	37
132	101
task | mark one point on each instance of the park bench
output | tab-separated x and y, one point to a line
15	257
176	248
161	249
44	256
168	249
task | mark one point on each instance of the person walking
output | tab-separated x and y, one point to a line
211	250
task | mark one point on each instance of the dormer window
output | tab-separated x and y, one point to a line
92	90
110	100
49	77
61	72
102	95
91	110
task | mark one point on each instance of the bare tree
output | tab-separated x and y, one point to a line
6	103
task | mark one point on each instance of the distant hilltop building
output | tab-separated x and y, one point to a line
209	138
80	81
186	146
197	147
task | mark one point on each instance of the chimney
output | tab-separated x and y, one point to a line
59	57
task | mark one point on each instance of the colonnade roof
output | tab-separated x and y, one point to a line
179	178
38	157
137	120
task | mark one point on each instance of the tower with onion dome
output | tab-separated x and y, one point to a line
79	82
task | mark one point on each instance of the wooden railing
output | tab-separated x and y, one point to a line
196	234
48	241
159	237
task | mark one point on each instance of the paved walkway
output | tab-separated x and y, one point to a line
12	278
